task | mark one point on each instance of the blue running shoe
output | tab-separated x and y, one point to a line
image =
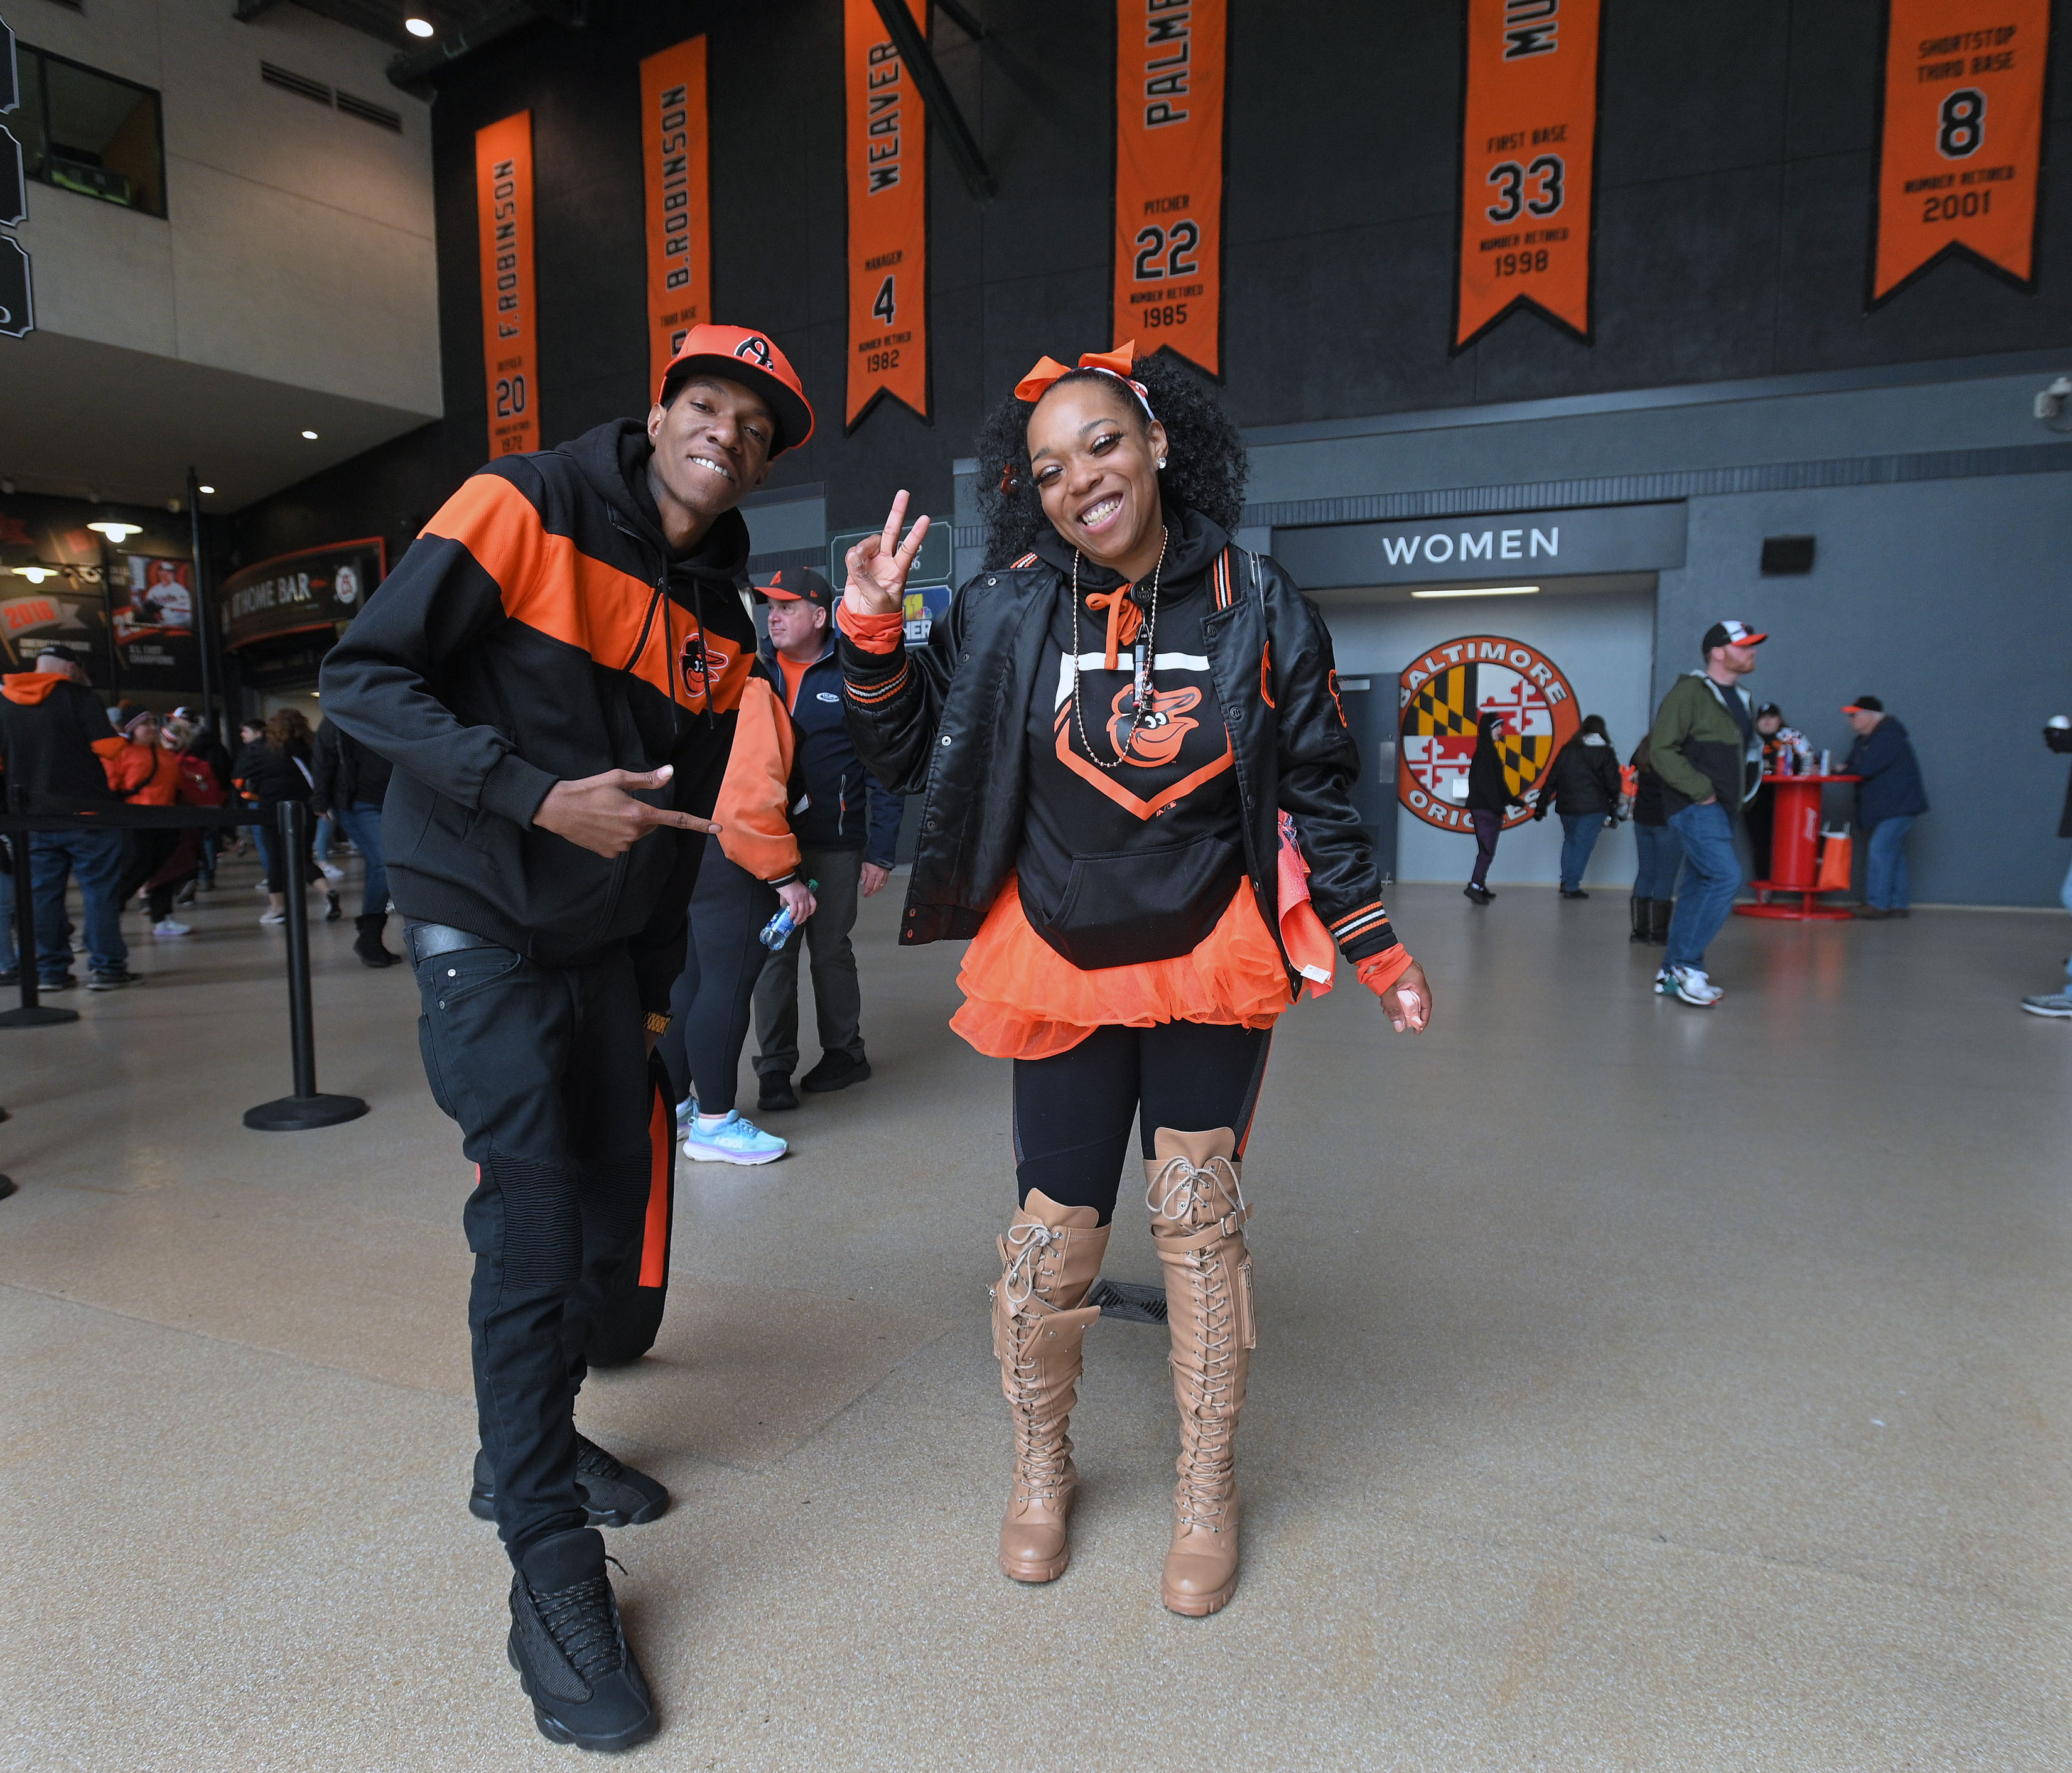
687	1110
733	1141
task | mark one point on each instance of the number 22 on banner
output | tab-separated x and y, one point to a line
1529	127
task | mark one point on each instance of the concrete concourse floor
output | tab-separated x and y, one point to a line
1638	1387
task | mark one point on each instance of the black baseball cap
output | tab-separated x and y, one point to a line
1863	705
797	584
1730	634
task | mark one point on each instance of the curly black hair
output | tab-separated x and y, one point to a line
1206	463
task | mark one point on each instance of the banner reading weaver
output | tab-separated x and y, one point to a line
888	216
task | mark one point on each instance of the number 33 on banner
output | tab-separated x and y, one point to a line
1960	145
1529	140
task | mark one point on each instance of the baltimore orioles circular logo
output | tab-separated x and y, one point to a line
1444	693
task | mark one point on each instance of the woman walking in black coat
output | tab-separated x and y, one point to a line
1582	785
274	769
1490	796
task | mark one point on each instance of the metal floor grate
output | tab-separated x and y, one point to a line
1129	1300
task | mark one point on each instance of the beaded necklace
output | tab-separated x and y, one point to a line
1146	655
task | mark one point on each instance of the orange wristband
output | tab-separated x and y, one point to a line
879	633
1379	972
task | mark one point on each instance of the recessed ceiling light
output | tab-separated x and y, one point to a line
419	27
115	531
310	435
204	489
1480	590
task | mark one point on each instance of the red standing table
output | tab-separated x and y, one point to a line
1794	852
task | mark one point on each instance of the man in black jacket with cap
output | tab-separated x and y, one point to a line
554	668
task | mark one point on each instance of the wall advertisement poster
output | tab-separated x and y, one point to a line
503	212
1169	178
888	216
1528	164
151	603
1960	139
673	158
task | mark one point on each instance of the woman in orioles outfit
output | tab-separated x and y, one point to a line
1136	773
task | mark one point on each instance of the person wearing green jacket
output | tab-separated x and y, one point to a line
1707	752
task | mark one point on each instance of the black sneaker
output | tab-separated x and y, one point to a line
568	1646
1576	892
1479	895
776	1092
115	981
835	1071
64	982
11	975
613	1495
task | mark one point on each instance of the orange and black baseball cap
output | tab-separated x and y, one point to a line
1730	634
797	585
741	353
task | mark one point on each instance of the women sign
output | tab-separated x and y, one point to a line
1446	691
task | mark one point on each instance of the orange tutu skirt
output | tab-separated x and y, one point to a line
1023	1000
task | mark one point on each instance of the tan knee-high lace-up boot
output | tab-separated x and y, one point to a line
1197	1215
1048	1259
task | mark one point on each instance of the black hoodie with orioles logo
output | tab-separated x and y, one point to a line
540	631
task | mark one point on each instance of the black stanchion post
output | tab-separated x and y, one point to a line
31	1014
306	1108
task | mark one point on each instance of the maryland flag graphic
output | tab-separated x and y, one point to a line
1446	691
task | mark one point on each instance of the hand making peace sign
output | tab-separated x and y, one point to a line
878	564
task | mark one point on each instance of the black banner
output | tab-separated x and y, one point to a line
316	589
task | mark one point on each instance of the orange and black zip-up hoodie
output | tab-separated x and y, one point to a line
55	743
539	630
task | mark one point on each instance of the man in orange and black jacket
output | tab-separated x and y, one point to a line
554	668
55	748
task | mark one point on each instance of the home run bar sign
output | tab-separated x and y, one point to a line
888	216
503	207
1528	164
672	154
1960	144
1446	690
1169	177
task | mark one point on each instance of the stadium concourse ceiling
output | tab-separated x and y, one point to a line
82	419
456	26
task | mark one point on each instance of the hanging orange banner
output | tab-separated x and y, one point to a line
504	209
1528	164
1169	178
673	155
1960	145
888	216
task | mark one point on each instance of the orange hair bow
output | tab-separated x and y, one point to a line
1116	363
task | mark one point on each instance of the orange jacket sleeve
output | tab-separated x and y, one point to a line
755	830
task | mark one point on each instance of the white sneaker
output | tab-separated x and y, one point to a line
686	1110
331	870
733	1141
271	916
1688	984
166	926
2055	1003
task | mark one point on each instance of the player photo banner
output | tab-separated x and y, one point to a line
673	156
888	216
504	209
1169	177
1528	164
1960	144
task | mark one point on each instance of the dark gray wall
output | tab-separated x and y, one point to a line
1733	218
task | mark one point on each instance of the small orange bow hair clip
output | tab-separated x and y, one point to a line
1116	363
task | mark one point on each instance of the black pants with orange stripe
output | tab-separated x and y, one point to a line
544	1069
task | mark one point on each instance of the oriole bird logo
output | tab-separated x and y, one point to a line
1160	734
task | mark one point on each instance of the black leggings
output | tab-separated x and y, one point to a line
1072	1111
710	1002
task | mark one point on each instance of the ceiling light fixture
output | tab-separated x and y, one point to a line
310	435
115	532
205	489
35	575
419	27
1482	590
